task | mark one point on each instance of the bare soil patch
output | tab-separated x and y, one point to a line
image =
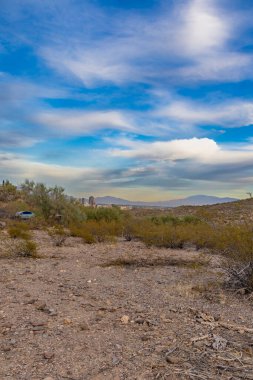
120	311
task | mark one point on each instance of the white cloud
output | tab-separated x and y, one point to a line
201	151
195	35
16	166
219	67
229	114
203	28
79	122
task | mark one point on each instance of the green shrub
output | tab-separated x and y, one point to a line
19	230
94	231
103	213
24	248
58	235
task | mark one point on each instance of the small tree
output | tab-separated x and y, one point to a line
8	191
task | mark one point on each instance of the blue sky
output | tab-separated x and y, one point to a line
138	99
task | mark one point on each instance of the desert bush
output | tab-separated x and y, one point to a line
19	230
88	237
160	235
130	228
58	235
103	213
24	248
174	221
103	231
94	231
173	232
8	192
165	219
236	244
50	202
201	235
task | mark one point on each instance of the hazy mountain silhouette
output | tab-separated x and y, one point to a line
194	200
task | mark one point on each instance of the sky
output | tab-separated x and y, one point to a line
139	99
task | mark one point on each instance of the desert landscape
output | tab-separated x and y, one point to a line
126	190
121	311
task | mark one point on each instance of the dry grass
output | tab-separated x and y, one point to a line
155	262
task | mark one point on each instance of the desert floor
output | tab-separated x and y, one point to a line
121	311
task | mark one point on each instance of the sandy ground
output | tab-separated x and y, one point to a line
120	311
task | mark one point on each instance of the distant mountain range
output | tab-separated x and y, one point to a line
195	200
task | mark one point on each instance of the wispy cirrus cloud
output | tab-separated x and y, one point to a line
228	114
158	84
144	49
81	123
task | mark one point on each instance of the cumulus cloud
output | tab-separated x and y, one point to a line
203	151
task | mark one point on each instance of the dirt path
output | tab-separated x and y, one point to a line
120	311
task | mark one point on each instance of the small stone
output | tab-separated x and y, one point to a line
38	328
145	338
219	343
52	312
115	360
31	301
6	348
38	323
125	319
173	359
67	321
139	321
41	306
48	378
48	355
84	326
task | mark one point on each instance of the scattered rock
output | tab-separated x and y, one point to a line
41	306
219	343
48	355
6	347
31	301
139	321
67	321
38	328
173	359
51	312
38	323
203	317
145	338
84	326
125	319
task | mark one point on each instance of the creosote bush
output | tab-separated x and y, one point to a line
58	235
27	248
19	230
94	231
23	248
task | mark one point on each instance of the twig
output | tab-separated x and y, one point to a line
198	338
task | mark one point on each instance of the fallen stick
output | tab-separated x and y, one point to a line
228	326
198	338
235	327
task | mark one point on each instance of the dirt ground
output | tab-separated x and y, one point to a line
120	311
